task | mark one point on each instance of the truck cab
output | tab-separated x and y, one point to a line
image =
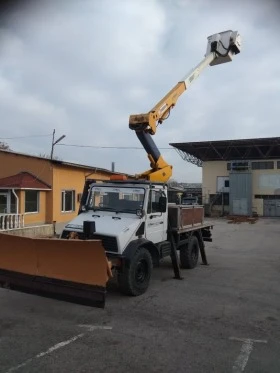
123	212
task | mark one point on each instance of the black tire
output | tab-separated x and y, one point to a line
134	280
189	253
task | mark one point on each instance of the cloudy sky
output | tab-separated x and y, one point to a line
83	66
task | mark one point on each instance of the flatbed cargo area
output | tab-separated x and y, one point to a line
190	229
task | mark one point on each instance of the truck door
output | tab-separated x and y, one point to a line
156	223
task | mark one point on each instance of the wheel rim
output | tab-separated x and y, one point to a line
141	271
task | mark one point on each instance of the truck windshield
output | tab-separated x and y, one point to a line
116	199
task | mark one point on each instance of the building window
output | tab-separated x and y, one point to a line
263	165
68	200
238	165
226	183
278	165
31	201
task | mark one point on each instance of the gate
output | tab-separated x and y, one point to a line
240	195
271	208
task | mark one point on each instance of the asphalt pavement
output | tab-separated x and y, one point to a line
224	317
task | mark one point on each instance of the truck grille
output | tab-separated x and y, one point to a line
109	242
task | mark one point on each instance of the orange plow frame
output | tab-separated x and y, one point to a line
72	270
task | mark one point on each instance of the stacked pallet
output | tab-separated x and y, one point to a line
237	219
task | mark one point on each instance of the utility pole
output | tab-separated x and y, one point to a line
55	142
52	143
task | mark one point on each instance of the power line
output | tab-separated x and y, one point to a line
108	147
23	137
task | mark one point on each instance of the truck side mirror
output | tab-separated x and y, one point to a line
140	213
162	203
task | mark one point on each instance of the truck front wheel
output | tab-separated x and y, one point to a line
189	253
134	279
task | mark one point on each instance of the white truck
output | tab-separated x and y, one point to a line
138	228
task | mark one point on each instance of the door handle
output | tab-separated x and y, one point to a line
154	216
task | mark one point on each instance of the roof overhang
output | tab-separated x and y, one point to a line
19	188
58	162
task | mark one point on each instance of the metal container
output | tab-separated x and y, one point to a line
183	217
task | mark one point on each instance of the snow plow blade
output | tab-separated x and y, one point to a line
71	270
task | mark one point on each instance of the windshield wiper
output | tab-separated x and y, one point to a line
107	209
101	208
128	210
93	208
133	211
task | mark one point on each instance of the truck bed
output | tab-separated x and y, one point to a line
184	218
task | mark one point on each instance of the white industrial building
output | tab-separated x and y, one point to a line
239	177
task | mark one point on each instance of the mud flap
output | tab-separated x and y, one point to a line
70	270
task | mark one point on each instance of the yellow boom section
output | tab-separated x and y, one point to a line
160	171
148	122
145	125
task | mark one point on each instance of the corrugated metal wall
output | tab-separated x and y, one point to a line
240	196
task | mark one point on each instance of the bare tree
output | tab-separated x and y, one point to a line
44	155
4	146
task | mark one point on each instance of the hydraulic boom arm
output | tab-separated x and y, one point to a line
221	48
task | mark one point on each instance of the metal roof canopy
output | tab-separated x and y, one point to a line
226	150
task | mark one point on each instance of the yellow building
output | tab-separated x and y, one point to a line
239	177
36	190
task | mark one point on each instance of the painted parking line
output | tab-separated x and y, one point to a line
89	328
246	349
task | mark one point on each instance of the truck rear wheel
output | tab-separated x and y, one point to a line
134	279
189	253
